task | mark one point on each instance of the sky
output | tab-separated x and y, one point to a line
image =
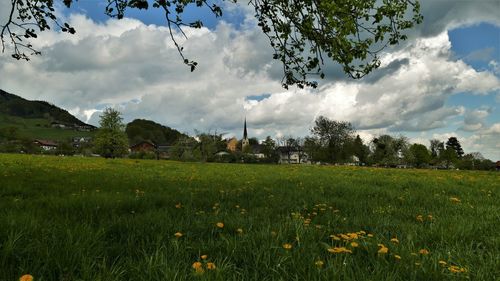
443	81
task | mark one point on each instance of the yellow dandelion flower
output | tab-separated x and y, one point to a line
454	200
354	244
319	264
457	269
287	246
178	205
339	250
220	225
383	249
198	267
420	218
418	264
239	230
398	257
442	263
395	240
210	265
370	235
430	217
334	237
26	277
423	252
178	234
204	257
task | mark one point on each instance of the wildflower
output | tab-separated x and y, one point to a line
198	267
370	235
334	237
319	264
395	240
204	257
454	200
339	250
383	249
220	225
423	252
26	277
420	218
239	230
354	244
456	269
430	217
398	257
178	205
418	264
287	246
178	234
273	233
210	265
442	263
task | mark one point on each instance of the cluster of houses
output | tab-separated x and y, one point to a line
76	127
286	154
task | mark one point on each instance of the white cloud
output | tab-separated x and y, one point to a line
136	67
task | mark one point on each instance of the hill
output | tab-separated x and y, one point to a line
13	105
39	119
140	129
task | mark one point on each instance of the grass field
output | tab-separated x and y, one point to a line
96	219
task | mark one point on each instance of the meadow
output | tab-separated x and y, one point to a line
70	218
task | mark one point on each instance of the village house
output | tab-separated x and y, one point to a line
292	156
143	146
46	145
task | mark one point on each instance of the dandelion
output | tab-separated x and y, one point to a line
370	235
430	217
178	234
418	264
334	237
420	218
454	200
220	225
398	257
197	266
319	264
204	257
395	240
354	244
178	205
339	250
383	249
210	265
442	263
287	246
423	252
26	277
239	230
457	269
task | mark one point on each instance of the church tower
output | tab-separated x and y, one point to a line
245	144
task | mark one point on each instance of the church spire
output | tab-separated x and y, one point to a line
245	135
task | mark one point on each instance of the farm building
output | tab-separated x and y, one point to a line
46	145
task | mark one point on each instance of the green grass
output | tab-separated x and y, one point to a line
96	219
39	128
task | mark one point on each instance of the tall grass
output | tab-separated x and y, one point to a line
96	219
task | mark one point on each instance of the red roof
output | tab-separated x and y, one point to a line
46	142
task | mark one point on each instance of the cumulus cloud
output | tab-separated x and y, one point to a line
136	68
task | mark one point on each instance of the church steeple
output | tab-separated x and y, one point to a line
245	135
245	143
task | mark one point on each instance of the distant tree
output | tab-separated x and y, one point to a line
208	145
288	145
471	161
334	136
65	148
448	156
360	150
421	156
455	145
269	150
111	140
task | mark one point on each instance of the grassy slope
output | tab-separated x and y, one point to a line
96	219
36	128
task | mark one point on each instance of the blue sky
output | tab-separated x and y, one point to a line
443	81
